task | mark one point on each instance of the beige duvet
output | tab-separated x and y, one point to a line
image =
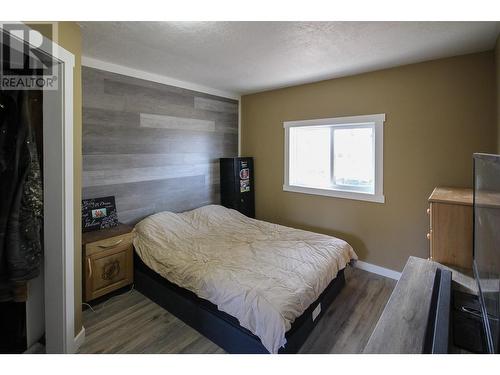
265	275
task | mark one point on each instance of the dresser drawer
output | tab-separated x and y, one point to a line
108	266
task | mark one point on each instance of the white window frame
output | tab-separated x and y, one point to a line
377	121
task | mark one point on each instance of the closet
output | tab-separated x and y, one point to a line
21	219
36	187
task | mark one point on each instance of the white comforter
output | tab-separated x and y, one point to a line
265	275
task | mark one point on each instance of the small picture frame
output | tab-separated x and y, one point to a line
99	213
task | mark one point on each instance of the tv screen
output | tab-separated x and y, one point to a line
487	243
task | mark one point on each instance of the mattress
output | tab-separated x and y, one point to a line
265	275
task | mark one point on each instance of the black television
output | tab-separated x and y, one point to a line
486	261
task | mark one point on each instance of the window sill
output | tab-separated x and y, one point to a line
336	193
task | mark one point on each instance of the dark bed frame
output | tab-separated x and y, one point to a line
218	326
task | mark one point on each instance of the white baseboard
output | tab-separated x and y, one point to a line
79	340
373	268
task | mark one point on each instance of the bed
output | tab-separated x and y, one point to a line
248	285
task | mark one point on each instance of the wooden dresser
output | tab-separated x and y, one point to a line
107	261
451	225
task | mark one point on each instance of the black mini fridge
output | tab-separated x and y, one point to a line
236	185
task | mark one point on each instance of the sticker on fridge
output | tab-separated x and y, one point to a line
245	174
244	185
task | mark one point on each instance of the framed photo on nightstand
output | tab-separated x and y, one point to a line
99	213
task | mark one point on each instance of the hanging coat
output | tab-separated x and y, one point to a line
21	194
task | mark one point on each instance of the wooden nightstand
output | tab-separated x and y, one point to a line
107	261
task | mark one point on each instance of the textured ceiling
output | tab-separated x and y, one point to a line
245	57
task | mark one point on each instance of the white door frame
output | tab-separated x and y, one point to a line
59	248
58	210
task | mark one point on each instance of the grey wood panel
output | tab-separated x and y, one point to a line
112	161
401	328
141	83
151	133
119	119
149	144
159	93
182	203
167	161
122	91
98	95
150	193
98	100
215	105
227	126
148	120
110	118
147	189
131	323
134	201
127	175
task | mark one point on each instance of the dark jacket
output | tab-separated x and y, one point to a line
21	194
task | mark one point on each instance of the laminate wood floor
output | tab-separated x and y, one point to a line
131	323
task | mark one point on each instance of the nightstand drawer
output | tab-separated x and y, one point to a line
109	244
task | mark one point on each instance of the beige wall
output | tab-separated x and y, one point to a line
437	114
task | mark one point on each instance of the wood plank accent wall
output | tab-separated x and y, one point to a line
154	147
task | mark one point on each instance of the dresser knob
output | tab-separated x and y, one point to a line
428	211
428	236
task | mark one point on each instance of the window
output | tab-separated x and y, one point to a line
339	157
